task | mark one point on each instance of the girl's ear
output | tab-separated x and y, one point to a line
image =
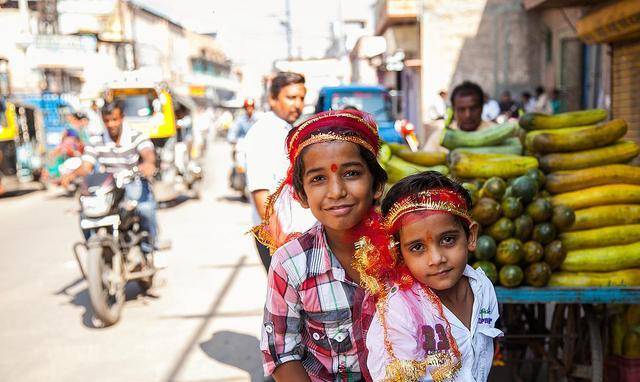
473	236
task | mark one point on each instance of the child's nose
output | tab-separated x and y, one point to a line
336	188
436	258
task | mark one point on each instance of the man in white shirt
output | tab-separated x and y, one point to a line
543	105
490	109
267	161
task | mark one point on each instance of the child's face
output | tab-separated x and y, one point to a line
435	248
338	184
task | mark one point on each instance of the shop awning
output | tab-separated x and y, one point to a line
615	22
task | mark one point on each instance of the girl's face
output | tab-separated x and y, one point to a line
434	248
338	184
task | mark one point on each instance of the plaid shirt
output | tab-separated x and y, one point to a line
314	313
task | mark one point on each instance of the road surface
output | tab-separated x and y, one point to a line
202	324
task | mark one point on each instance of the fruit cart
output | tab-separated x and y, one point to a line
569	336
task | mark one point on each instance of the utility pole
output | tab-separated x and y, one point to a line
287	26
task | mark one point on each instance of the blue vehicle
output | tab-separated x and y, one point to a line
371	99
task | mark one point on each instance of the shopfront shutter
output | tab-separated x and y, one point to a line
625	92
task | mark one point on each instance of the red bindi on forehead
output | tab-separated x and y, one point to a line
334	167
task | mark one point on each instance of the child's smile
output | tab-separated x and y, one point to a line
338	184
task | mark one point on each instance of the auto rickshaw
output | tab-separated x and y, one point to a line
22	146
150	108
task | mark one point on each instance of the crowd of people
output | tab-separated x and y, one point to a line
505	107
361	287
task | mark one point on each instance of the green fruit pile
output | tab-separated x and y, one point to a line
519	227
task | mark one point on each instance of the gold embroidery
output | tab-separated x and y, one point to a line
306	123
361	263
328	137
422	202
442	365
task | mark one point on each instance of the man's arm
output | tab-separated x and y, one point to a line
148	164
84	170
260	201
234	130
291	371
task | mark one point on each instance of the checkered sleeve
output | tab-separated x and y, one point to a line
282	323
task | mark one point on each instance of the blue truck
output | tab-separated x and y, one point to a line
371	99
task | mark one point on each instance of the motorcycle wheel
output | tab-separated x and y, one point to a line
107	299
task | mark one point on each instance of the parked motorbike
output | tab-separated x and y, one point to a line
117	249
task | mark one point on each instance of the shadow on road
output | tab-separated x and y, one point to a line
233	199
180	199
236	349
132	292
17	193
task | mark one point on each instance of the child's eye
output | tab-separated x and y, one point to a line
317	179
352	173
448	240
418	247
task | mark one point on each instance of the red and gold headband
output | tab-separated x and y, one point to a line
437	200
362	126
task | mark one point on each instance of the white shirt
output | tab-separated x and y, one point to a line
267	166
490	110
409	312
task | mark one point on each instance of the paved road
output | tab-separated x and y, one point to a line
203	325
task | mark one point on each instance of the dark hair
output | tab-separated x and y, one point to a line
110	106
423	181
80	115
525	95
282	80
467	88
539	90
377	172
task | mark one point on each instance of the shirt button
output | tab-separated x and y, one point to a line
316	336
340	337
268	328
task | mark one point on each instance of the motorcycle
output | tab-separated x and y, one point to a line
238	174
117	249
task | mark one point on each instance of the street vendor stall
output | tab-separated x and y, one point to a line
572	340
558	204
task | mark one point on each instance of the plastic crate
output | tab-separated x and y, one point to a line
621	369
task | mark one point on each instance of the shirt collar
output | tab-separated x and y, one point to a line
474	280
281	122
125	136
322	260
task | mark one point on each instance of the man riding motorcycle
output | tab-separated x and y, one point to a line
237	177
123	149
243	123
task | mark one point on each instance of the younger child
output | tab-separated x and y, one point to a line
315	321
435	319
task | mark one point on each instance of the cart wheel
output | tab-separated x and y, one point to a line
575	348
595	339
555	366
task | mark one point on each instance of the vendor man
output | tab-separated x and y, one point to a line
467	100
